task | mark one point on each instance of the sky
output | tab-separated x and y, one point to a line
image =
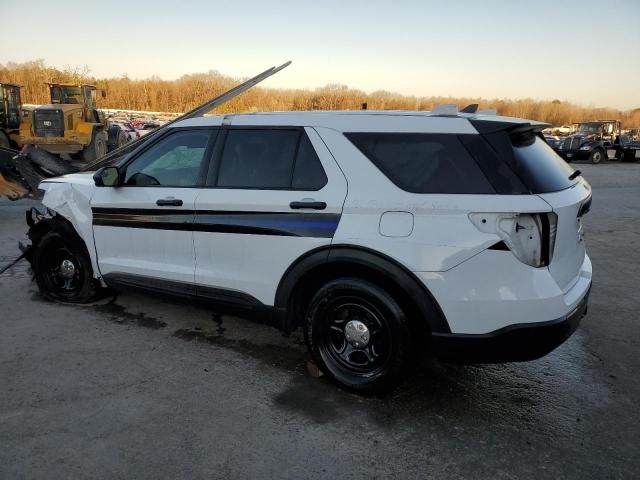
587	52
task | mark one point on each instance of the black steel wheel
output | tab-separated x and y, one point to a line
62	268
357	334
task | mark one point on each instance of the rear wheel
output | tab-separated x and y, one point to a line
4	140
358	335
122	139
597	156
97	148
62	269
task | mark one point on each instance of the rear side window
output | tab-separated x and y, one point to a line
423	163
270	159
308	173
540	168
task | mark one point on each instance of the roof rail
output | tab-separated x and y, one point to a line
446	109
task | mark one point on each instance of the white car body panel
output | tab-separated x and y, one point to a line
442	235
164	254
255	264
70	196
569	251
432	235
493	290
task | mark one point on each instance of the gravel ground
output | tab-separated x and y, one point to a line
136	387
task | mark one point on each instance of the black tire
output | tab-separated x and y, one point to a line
341	305
96	149
55	284
627	157
4	140
122	139
597	156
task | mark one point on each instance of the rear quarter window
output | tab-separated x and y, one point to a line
423	163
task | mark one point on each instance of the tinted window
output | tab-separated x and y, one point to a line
269	159
541	169
500	175
308	173
174	161
423	163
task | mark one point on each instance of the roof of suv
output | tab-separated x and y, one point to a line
358	120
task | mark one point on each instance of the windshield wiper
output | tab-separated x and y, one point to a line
575	174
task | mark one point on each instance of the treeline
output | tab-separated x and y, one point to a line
155	94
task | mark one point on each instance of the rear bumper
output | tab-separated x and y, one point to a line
514	343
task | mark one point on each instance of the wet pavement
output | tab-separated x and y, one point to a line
137	387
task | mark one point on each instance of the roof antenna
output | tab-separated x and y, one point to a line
471	108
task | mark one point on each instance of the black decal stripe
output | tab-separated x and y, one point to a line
291	224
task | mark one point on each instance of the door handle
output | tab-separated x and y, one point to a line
169	202
308	204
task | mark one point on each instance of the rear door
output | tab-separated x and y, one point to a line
143	229
273	194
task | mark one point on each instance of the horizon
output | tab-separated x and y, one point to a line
395	94
364	48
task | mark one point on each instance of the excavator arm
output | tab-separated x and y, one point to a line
22	171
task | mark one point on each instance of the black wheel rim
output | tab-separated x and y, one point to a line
60	283
362	360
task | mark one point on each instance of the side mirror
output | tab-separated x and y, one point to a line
107	177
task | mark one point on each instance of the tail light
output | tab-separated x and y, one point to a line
531	237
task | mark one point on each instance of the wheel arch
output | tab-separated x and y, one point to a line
311	270
58	224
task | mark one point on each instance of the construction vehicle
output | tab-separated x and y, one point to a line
72	124
594	141
10	107
22	171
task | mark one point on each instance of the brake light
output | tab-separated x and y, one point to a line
531	237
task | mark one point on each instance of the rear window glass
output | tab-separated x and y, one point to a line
423	163
539	167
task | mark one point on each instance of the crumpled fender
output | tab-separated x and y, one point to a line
73	202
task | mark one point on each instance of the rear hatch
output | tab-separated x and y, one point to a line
541	171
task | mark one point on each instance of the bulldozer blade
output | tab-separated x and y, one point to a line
12	184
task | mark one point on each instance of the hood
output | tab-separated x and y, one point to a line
582	139
81	178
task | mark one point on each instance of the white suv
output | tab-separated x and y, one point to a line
381	234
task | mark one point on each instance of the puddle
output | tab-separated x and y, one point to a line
281	356
118	314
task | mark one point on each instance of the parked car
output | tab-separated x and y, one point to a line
130	131
381	235
565	129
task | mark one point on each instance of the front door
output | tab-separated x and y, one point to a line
272	195
143	229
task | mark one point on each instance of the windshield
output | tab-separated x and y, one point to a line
590	128
66	95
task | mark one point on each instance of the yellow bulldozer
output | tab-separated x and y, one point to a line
10	107
71	124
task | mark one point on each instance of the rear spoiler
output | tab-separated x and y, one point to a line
490	126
